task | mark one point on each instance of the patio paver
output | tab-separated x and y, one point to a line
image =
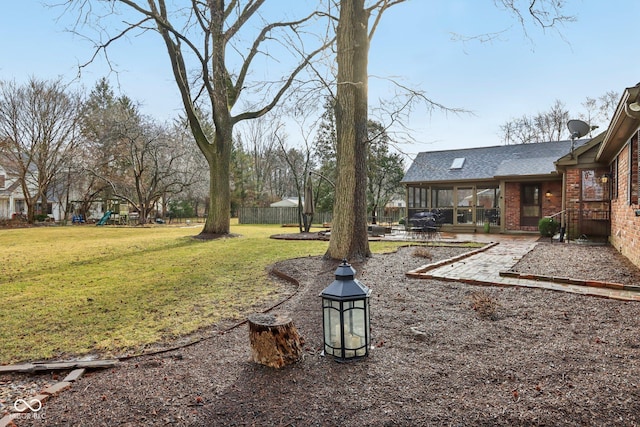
484	268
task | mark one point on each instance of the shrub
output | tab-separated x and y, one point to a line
422	252
548	227
41	217
485	305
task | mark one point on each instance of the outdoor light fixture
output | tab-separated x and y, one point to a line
345	316
548	194
605	178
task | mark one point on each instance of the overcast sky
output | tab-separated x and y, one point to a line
511	76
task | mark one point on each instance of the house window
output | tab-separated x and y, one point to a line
2	181
633	170
592	186
614	179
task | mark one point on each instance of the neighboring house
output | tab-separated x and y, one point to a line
11	198
510	187
289	202
12	201
396	203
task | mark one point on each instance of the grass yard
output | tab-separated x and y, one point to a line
84	289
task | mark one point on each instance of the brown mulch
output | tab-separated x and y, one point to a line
445	354
579	261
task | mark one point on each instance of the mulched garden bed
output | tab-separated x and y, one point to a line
444	354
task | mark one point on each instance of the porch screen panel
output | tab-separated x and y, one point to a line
487	210
424	198
442	199
465	203
417	200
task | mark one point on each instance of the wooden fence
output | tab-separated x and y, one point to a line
290	216
277	216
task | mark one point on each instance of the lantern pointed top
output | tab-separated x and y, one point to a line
345	271
346	286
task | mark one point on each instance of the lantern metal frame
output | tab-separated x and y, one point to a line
346	316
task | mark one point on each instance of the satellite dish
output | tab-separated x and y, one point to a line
578	128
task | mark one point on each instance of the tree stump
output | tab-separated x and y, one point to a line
275	341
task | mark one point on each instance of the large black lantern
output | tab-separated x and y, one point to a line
345	315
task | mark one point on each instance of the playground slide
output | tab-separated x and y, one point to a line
105	218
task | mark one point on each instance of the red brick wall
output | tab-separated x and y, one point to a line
512	206
550	205
625	226
572	177
553	204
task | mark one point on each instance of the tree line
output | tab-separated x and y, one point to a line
82	150
551	125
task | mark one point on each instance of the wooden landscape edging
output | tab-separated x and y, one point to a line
58	366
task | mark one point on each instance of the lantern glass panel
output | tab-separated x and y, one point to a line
332	327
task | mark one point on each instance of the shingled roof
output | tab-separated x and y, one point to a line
486	163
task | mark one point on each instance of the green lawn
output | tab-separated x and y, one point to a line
85	289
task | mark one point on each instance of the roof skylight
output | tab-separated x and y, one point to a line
457	163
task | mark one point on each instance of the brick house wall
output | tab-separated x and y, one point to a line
549	205
512	206
573	188
625	226
552	205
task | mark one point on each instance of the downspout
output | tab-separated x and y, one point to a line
563	215
502	204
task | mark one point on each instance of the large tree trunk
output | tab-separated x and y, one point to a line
349	226
219	208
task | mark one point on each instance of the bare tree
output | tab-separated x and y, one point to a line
599	110
155	166
385	170
200	35
192	166
39	128
545	126
258	140
551	125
